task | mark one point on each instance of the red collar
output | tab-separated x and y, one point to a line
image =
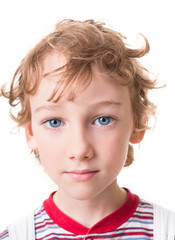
107	224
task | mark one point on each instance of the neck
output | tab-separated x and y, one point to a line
89	212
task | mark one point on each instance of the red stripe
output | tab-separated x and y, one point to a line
143	217
4	233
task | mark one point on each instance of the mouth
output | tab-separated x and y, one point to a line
82	175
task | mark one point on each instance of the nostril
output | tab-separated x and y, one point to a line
79	145
82	154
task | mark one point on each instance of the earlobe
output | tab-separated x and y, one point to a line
30	137
137	136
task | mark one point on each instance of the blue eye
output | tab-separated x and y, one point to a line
103	121
53	123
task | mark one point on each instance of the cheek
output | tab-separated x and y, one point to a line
51	160
115	150
50	151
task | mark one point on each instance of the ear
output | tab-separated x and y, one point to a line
137	136
30	137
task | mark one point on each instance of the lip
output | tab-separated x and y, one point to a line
82	175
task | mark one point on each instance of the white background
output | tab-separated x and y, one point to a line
23	183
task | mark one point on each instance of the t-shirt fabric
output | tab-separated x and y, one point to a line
133	220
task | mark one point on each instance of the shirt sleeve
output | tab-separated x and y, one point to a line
4	235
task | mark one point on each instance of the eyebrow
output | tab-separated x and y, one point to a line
60	106
48	107
108	103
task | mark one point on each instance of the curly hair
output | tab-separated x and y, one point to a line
84	43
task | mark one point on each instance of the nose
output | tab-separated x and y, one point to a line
80	145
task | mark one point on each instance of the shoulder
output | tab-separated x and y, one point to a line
163	220
164	216
21	229
161	214
4	235
164	223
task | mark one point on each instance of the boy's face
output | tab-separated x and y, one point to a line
83	144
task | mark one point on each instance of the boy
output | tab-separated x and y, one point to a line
83	101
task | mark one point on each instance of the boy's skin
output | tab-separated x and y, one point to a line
86	147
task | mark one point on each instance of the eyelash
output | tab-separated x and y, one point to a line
60	123
54	120
102	118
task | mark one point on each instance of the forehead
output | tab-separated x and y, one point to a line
53	61
99	88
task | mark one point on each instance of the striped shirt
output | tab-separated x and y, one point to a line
132	221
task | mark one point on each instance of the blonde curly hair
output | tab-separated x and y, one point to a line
84	43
